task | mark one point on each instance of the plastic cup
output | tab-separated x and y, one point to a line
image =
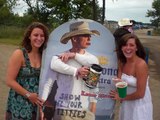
122	89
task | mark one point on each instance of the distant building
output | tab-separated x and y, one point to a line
111	25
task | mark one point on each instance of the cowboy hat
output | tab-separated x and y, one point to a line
78	28
124	22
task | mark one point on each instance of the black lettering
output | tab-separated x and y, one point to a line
79	104
71	97
74	104
59	103
103	80
84	114
77	97
109	71
71	113
61	97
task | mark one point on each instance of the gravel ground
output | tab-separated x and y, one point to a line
152	42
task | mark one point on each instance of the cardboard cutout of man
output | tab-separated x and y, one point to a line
74	65
71	97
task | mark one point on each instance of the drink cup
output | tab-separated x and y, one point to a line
122	89
93	77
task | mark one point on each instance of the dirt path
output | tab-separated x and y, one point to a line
149	41
5	52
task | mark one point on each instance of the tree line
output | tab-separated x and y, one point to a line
56	12
50	12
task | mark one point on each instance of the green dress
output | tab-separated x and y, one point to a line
19	107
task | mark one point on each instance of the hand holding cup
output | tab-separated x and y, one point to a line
122	89
116	80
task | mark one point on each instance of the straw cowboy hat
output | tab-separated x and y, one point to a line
78	28
124	22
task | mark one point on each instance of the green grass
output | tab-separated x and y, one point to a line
10	41
11	34
11	31
156	31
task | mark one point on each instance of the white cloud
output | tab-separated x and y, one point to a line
133	9
20	9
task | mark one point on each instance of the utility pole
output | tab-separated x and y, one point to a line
94	10
103	12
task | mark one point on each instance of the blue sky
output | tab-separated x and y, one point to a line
118	9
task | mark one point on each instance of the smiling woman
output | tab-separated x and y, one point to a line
133	69
23	74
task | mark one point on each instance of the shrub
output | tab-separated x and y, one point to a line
156	31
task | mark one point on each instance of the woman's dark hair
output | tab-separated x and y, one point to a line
140	49
26	43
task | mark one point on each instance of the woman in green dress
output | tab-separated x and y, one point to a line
23	74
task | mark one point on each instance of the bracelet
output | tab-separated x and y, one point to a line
27	95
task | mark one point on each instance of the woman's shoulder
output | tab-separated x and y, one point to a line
141	63
16	57
18	53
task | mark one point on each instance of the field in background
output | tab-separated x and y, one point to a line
11	31
11	35
10	41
